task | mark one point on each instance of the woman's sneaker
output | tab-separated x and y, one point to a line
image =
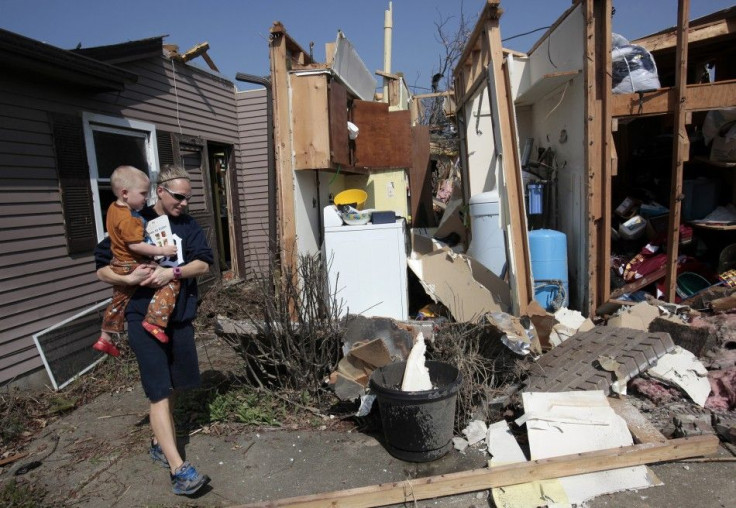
186	480
157	454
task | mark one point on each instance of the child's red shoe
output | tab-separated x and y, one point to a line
156	331
106	347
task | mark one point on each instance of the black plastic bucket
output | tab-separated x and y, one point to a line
417	426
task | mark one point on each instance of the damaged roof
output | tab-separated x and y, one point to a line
22	53
124	51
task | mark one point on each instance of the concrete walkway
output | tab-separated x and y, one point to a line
101	460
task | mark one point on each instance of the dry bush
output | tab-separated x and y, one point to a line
295	331
487	366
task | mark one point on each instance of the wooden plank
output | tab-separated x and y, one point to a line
641	429
701	97
411	490
283	147
592	137
602	12
384	140
680	149
638	284
420	181
309	121
519	264
448	93
337	96
658	42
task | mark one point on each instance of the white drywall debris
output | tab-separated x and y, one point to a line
504	449
459	443
569	323
682	369
476	431
416	374
576	422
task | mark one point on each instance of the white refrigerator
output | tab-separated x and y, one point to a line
366	268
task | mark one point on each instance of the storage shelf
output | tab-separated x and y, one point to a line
717	164
544	86
715	227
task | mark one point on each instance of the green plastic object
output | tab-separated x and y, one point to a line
690	283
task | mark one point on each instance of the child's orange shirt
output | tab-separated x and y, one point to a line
125	226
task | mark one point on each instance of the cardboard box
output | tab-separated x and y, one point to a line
467	288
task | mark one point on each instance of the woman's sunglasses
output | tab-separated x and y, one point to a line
177	196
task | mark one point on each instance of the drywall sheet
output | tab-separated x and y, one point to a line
682	369
564	423
504	449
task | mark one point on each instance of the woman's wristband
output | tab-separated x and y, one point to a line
177	273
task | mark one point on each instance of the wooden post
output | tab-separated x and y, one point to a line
283	147
680	149
518	249
598	147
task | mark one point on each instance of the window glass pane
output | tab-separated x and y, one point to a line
106	199
192	159
113	150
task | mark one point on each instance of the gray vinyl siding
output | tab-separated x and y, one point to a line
40	284
252	176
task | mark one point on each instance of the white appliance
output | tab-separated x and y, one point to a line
366	268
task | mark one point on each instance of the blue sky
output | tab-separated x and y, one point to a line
237	30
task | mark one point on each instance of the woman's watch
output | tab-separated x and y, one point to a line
177	273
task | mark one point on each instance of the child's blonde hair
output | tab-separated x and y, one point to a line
125	177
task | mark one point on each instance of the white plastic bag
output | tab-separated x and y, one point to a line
633	67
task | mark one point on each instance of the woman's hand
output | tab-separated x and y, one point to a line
141	273
158	277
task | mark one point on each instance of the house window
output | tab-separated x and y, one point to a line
111	142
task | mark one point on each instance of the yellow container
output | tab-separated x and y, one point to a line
355	197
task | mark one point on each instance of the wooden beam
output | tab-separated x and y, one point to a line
448	93
388	75
640	283
209	61
195	51
597	147
507	51
700	97
411	490
279	56
680	149
640	427
667	40
499	90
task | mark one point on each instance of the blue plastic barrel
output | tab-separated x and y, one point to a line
548	251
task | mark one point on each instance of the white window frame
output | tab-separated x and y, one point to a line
116	125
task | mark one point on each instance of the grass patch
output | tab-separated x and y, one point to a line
229	404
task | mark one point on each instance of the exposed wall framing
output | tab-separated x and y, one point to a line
482	64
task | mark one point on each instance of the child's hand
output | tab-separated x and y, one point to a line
168	250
